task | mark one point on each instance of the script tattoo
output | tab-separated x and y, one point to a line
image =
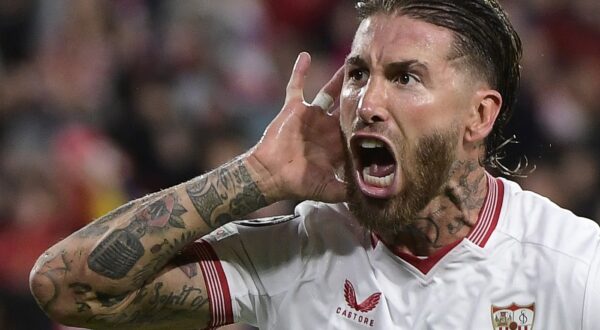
159	298
160	303
116	255
233	187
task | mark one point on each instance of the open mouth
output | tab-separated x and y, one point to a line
376	165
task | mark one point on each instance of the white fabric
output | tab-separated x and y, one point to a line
540	267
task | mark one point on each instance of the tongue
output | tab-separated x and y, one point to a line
381	170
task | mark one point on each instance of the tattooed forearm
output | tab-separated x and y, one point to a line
228	196
117	254
95	282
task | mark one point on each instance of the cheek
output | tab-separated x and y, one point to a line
418	114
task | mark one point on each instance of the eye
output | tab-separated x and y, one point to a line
358	75
406	78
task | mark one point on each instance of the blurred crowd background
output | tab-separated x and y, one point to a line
105	101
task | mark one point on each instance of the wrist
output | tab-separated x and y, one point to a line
263	177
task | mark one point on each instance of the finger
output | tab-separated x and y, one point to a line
295	87
330	93
324	101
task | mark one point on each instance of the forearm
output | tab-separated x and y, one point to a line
121	251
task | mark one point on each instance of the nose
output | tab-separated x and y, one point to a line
371	105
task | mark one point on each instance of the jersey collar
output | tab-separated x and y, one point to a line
486	223
489	213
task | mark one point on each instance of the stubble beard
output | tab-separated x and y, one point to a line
425	177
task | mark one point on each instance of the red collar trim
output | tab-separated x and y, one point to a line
480	234
489	213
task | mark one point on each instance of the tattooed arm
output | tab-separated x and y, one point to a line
125	270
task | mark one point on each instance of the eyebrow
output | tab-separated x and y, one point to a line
393	67
406	64
356	61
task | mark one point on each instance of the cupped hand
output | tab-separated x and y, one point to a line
301	149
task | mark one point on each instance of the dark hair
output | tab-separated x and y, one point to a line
485	37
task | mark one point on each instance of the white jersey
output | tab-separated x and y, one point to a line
527	264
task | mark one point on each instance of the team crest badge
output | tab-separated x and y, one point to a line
513	317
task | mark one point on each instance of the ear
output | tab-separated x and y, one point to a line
484	111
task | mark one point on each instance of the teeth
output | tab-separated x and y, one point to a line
371	144
377	181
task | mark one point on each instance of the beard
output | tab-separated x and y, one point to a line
426	172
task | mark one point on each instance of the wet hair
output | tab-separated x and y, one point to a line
487	41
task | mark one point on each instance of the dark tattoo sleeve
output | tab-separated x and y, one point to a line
117	254
233	187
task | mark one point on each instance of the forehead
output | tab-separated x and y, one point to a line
391	37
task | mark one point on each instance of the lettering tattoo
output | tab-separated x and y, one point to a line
233	186
187	294
116	255
160	303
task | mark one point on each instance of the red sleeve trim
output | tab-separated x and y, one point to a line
219	297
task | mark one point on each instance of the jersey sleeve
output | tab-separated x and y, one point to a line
591	307
248	265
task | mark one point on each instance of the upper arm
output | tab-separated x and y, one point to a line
176	298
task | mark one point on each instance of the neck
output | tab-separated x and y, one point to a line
449	216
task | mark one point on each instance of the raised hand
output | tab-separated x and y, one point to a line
302	148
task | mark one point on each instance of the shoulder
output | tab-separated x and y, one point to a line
330	222
534	219
312	222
